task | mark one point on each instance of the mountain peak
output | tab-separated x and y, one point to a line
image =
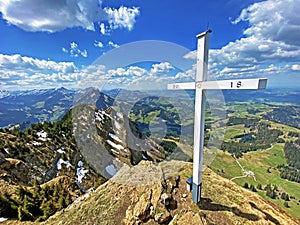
165	200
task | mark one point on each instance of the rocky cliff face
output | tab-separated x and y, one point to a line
109	140
156	194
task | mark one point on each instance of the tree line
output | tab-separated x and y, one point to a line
260	137
272	191
35	203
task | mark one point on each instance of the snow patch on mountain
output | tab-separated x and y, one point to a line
115	137
2	219
42	135
80	172
117	125
60	162
36	143
61	151
116	146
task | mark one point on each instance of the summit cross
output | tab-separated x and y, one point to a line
200	86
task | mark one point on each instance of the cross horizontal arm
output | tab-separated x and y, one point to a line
246	84
182	86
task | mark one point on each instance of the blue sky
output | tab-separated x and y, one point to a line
56	43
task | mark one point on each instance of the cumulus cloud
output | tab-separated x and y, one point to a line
122	18
22	72
98	44
191	55
108	45
103	29
18	71
272	36
277	20
74	50
112	44
53	16
132	72
24	63
136	77
161	68
295	67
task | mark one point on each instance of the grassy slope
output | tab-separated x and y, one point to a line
259	162
112	202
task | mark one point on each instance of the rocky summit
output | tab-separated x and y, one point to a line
150	193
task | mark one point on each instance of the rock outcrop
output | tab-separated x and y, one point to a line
156	194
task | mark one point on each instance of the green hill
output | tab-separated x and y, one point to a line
263	150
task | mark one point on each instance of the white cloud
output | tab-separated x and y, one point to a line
277	20
188	75
135	77
102	29
122	18
65	50
22	72
53	16
98	44
84	53
136	71
272	37
295	67
24	63
191	55
112	44
161	68
74	50
132	71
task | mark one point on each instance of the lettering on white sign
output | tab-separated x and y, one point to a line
238	84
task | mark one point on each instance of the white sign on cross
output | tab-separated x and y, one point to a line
201	85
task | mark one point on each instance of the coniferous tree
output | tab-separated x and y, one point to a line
259	186
8	208
61	202
68	199
36	191
252	188
23	214
287	197
55	193
48	209
246	185
21	192
286	204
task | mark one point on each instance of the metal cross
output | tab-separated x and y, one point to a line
200	86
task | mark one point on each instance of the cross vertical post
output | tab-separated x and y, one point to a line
201	75
200	86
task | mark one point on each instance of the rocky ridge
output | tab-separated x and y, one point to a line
151	193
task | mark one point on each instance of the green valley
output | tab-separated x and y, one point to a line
264	160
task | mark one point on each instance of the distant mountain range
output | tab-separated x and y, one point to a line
33	106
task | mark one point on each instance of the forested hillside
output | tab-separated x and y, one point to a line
289	115
257	135
41	170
